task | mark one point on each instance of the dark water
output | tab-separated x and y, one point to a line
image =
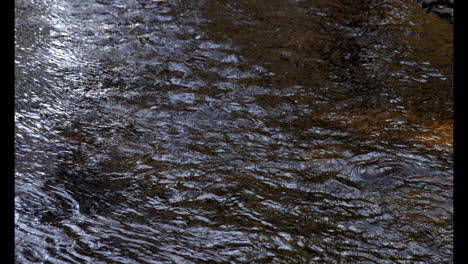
220	131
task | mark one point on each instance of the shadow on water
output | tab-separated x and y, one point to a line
232	132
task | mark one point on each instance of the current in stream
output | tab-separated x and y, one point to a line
240	131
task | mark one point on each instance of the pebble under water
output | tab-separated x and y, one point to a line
245	131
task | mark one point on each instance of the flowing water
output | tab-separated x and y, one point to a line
221	131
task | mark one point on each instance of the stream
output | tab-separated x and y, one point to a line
241	131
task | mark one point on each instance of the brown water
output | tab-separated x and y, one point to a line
220	131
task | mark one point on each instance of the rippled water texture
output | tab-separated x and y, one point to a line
242	131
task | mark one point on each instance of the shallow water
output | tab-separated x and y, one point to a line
232	132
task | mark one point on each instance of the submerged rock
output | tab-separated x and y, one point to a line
443	8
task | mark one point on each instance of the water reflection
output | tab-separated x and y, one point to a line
232	132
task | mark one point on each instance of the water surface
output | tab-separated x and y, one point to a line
219	131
